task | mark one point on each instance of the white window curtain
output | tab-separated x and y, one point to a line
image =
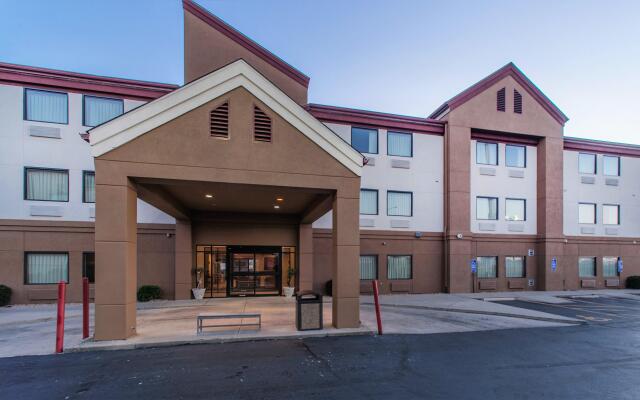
486	208
98	110
487	267
47	268
515	156
368	202
611	165
399	204
399	267
399	144
487	153
49	185
368	267
587	267
586	213
610	214
587	163
609	266
514	209
515	267
89	187
45	106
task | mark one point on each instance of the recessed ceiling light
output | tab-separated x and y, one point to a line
208	196
279	199
276	206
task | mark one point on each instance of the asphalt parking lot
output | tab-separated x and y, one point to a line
600	310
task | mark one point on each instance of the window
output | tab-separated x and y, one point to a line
219	121
369	202
586	213
610	214
400	144
45	106
98	110
88	187
89	266
515	156
487	153
587	163
517	102
46	268
368	267
515	209
399	204
487	267
610	266
515	267
46	184
611	165
399	267
500	101
486	208
261	125
365	140
587	267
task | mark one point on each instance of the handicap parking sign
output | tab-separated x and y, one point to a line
474	266
619	265
554	264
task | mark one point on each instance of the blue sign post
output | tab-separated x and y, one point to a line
474	266
620	265
554	264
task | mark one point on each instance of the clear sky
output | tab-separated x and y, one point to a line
402	56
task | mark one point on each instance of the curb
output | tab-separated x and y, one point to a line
478	312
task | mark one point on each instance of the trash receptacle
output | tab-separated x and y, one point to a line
308	311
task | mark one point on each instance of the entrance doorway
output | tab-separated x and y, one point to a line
243	270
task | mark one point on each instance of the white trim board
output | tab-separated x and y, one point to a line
141	120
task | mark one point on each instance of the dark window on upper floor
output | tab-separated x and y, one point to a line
98	110
364	140
46	106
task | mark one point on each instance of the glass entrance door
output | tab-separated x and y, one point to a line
211	270
254	271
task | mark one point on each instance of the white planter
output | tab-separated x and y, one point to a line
198	293
288	291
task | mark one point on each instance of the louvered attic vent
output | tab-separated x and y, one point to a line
517	102
501	100
261	125
219	121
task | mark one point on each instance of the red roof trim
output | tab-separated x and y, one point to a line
23	75
245	42
602	147
508	70
342	115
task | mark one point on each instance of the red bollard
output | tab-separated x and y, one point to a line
377	303
60	322
85	308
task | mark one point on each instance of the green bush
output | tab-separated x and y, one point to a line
633	282
149	292
5	295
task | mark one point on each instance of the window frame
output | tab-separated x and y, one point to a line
595	163
524	267
24	105
497	152
26	267
507	145
368	129
505	209
595	213
410	264
610	205
84	265
497	208
25	180
377	258
497	258
595	267
400	133
377	200
84	110
617	274
604	156
400	192
84	173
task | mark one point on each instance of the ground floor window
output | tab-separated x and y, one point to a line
587	267
515	267
487	267
609	267
399	267
89	266
368	267
46	268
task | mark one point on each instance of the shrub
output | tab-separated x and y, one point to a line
5	295
328	288
633	282
149	292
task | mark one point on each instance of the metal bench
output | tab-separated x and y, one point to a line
203	317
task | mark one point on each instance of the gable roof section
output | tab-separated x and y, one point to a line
235	35
137	122
508	70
